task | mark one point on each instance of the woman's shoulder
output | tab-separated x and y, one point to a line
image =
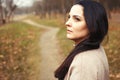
90	56
89	64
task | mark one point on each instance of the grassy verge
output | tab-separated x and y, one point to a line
65	44
113	49
53	22
19	53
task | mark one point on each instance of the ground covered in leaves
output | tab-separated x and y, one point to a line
18	41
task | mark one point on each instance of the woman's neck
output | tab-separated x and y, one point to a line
77	41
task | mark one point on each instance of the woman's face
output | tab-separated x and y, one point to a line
76	25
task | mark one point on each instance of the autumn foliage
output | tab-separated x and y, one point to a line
16	43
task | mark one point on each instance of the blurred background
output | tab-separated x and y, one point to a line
19	49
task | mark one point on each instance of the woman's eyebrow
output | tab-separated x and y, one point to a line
77	16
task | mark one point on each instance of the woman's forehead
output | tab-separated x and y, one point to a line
77	10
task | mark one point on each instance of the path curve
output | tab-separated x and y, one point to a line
50	55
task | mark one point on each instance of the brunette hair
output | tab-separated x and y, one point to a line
97	23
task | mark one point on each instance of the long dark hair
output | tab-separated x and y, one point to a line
97	23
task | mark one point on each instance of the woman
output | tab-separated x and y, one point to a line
87	26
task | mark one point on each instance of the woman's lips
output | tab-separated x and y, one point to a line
69	31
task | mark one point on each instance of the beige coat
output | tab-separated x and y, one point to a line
89	65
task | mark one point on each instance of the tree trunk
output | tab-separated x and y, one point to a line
2	19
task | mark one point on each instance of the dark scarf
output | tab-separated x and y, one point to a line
82	46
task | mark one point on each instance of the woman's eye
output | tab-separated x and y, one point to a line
77	19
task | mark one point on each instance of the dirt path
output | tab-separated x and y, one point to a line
49	51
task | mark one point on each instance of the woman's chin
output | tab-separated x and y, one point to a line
69	37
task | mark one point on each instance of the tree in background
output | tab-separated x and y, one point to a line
1	13
48	7
7	7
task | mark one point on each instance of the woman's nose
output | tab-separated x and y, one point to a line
68	23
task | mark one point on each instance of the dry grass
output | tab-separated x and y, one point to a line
18	51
